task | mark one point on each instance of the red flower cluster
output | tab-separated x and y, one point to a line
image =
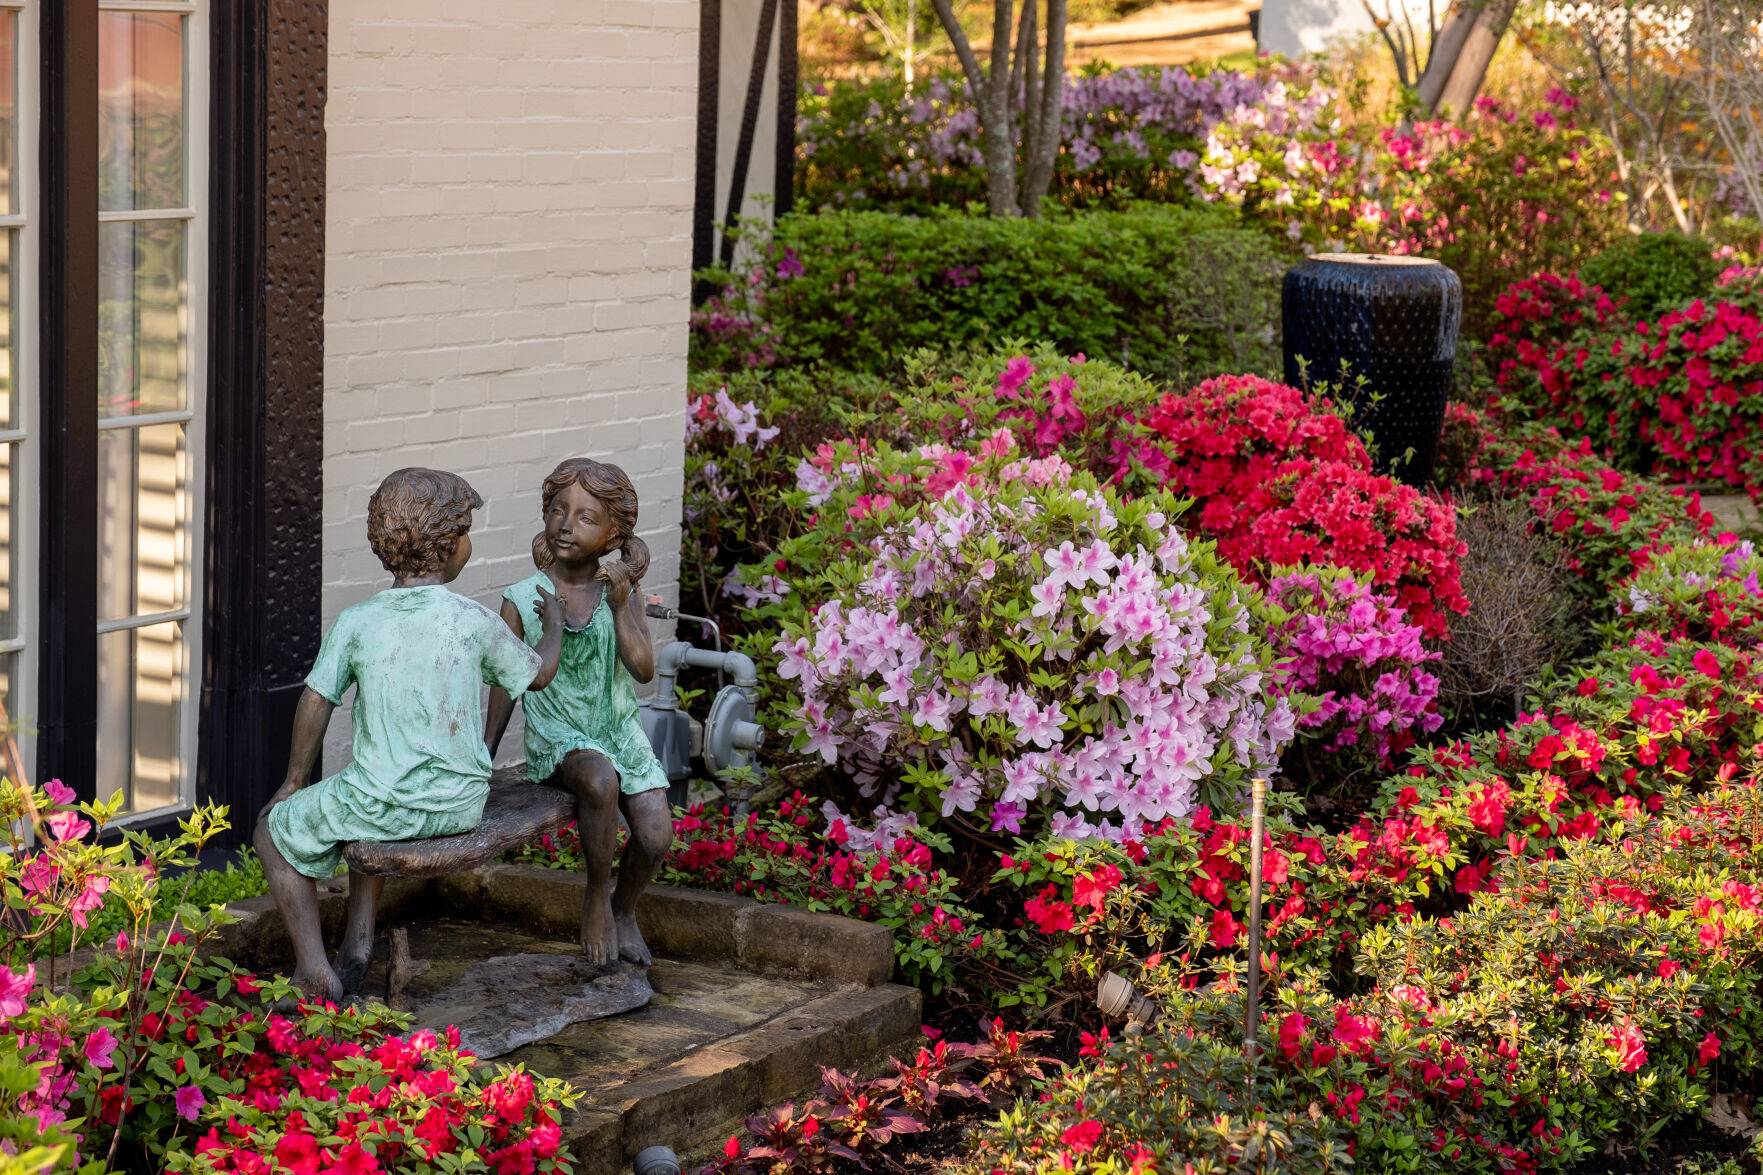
1280	480
334	1094
1681	398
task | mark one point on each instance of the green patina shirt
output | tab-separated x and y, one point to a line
418	659
591	705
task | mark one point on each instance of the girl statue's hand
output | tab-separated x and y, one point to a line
617	577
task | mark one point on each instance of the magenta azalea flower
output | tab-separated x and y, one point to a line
189	1100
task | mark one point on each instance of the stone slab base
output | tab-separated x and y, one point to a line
749	1000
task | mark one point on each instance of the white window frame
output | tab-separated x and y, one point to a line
195	215
25	520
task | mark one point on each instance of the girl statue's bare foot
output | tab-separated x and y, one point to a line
599	932
351	969
631	947
319	988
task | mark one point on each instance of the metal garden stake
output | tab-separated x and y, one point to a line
1257	830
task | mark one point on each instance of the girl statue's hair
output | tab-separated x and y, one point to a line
613	488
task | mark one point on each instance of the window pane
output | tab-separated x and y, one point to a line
8	495
8	412
8	670
143	516
140	317
141	110
140	708
8	109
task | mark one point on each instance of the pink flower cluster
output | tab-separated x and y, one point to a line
1032	650
1354	651
719	410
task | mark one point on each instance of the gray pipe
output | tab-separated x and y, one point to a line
676	654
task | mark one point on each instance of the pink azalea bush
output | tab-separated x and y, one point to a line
1353	651
1036	653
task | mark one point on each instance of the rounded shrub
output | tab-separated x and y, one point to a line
1279	479
1653	272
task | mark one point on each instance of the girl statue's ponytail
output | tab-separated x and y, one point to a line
635	555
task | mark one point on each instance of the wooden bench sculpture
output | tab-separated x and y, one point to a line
517	813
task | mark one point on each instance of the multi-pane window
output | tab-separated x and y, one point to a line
152	261
17	267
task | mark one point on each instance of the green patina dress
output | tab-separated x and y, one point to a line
591	705
418	659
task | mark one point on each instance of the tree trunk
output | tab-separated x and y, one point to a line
1464	77
1442	54
1042	147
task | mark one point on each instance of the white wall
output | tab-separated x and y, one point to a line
1297	27
508	242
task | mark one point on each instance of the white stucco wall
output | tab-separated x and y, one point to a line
1297	27
508	240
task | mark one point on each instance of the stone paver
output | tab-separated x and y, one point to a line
1735	512
750	1000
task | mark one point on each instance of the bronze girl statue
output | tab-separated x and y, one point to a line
582	732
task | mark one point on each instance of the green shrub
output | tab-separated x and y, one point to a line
1171	292
1653	272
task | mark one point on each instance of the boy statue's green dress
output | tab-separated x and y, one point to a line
418	658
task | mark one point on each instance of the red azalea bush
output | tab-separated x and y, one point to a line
342	1092
1278	479
1616	734
1611	523
1697	380
1592	996
1680	397
156	1053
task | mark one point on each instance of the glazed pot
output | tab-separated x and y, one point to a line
1394	321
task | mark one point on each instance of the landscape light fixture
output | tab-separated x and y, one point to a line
1116	996
656	1160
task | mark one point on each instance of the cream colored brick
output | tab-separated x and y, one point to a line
509	228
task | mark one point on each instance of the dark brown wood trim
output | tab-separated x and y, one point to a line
704	181
737	185
788	78
66	633
262	604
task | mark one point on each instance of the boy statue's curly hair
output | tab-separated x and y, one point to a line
415	518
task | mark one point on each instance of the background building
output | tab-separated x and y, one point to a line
258	254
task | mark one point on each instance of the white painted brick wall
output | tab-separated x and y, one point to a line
509	206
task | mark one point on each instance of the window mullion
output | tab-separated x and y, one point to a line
67	376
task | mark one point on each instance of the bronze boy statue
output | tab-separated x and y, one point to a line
582	734
418	655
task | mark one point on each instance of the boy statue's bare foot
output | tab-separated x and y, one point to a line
599	931
631	947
